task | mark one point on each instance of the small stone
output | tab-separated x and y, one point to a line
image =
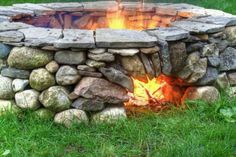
15	73
90	105
28	99
232	91
6	91
210	50
150	50
67	75
207	93
70	117
232	78
52	67
103	90
222	81
214	61
231	35
222	45
202	37
118	77
95	64
97	50
41	79
195	47
124	52
3	64
133	66
70	57
105	57
228	59
19	85
44	113
86	68
28	58
89	73
110	114
209	78
4	50
55	99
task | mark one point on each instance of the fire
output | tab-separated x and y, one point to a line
155	94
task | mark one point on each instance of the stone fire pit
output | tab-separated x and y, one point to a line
66	59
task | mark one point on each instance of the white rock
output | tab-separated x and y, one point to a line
19	85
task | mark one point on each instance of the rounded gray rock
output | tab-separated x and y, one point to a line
52	67
67	75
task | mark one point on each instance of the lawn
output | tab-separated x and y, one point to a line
201	130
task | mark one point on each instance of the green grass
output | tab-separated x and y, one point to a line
199	131
226	5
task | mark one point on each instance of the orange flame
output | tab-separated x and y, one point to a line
155	92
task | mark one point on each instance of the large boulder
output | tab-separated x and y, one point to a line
228	59
67	75
41	79
55	99
208	94
118	77
70	117
28	99
6	91
101	89
109	114
28	58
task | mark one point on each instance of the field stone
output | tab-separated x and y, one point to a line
52	67
148	66
150	50
110	114
41	79
133	66
44	113
104	57
70	57
90	105
67	75
6	91
208	94
228	59
15	73
28	99
28	58
55	99
222	81
70	117
124	52
156	63
231	35
210	50
97	50
100	89
4	50
209	78
86	68
214	61
19	84
118	77
95	64
90	74
232	78
3	64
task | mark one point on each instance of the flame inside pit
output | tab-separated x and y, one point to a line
156	94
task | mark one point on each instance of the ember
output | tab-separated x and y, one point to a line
155	94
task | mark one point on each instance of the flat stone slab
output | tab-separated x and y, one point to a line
67	6
169	34
218	20
36	8
13	11
4	18
75	38
123	38
11	26
100	6
198	27
41	36
11	36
